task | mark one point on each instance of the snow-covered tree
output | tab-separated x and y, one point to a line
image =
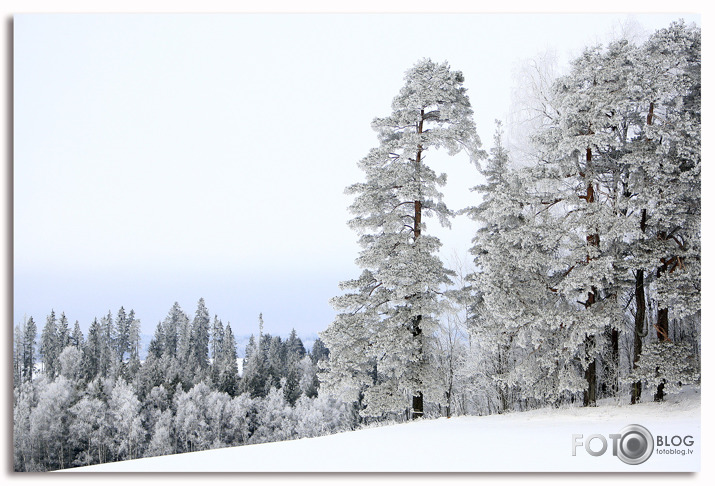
614	200
127	431
49	346
24	400
162	436
70	363
63	333
50	421
28	346
92	355
241	413
515	341
90	431
274	419
122	330
255	364
201	418
17	355
217	338
664	179
227	364
376	343
319	352
107	346
175	327
200	331
77	338
667	366
322	415
24	350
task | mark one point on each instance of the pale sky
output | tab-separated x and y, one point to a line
162	158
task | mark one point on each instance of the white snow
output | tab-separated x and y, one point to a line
538	440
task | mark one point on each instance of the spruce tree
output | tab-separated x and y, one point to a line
92	356
200	330
28	348
49	345
217	343
122	326
63	333
77	338
228	379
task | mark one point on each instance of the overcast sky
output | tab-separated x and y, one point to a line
162	158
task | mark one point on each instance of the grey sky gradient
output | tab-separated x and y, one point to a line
162	158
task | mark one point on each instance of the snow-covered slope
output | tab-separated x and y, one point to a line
538	440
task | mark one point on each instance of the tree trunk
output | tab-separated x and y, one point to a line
661	325
417	406
417	398
662	329
589	396
637	387
614	360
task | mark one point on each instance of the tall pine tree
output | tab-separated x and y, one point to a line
377	341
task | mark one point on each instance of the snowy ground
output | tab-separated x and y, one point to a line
538	440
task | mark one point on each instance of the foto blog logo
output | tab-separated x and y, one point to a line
633	444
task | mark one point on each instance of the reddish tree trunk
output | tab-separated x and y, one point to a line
417	398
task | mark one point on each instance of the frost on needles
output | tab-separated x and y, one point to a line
380	339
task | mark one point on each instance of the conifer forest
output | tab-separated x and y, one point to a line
584	283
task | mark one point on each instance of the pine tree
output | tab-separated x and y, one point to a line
377	341
667	180
617	189
582	192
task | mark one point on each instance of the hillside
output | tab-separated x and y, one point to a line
537	440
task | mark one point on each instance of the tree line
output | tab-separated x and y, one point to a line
81	401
